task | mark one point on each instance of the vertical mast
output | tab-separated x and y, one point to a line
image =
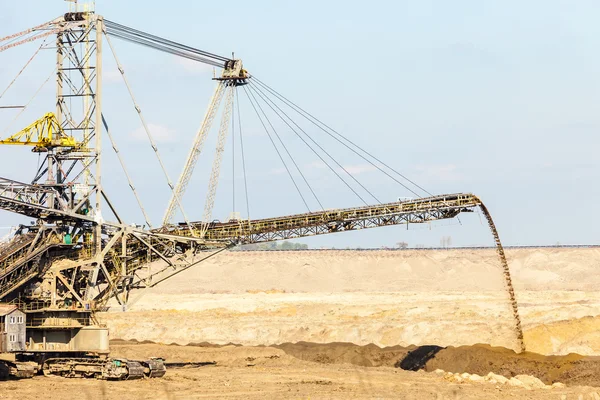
75	172
98	128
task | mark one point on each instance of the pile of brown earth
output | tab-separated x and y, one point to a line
572	369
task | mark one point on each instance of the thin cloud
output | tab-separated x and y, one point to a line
315	165
193	67
359	168
439	172
111	76
160	133
277	171
355	169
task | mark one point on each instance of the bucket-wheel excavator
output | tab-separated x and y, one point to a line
78	253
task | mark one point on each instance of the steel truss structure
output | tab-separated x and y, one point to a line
79	253
331	221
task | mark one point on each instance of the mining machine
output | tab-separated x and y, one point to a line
78	253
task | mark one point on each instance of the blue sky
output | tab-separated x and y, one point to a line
499	99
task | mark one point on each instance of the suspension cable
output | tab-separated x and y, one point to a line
158	39
39	27
19	38
327	129
152	143
175	52
30	39
216	166
233	152
129	181
286	149
29	102
369	161
277	150
164	45
267	100
23	69
243	157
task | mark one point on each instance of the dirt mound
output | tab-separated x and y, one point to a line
385	270
258	373
202	354
348	353
572	369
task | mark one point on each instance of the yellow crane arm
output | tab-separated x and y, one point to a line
43	134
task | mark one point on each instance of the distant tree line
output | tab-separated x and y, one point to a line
285	245
445	242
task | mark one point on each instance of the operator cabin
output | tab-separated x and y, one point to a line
12	329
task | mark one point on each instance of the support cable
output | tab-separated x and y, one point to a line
117	26
216	167
32	34
355	152
149	44
152	143
28	31
287	151
23	69
243	157
30	39
277	150
162	44
19	38
195	151
233	153
129	181
328	130
267	101
29	102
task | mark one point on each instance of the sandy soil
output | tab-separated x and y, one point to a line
381	298
447	298
390	271
266	372
385	319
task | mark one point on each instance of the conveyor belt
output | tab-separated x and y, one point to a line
332	221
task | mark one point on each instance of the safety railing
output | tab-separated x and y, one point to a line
52	322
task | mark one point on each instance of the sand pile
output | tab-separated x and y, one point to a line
267	373
572	369
479	363
227	355
383	297
385	319
338	271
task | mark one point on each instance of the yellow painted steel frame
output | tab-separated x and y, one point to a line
43	134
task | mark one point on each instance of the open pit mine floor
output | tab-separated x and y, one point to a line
312	371
344	324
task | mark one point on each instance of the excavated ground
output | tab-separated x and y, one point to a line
249	372
572	369
480	359
344	324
